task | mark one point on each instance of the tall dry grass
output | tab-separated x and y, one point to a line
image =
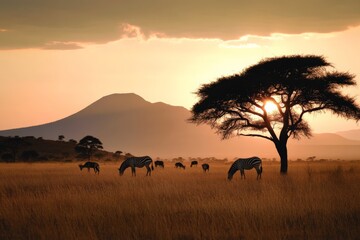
57	201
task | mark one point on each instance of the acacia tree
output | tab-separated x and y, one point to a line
295	85
117	154
88	145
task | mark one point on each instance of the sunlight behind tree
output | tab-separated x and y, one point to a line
270	107
269	100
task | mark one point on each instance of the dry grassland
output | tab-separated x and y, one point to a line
57	201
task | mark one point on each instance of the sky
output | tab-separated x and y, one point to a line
57	57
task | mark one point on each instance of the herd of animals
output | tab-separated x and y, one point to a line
240	164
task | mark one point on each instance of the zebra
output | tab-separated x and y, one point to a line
179	165
159	163
139	162
205	167
93	165
245	164
194	163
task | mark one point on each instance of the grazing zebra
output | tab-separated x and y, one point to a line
194	163
205	167
245	164
179	165
138	162
159	163
93	165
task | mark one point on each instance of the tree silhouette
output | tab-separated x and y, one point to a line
61	137
72	141
87	146
13	144
29	155
296	85
117	154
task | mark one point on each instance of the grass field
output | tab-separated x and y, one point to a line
317	200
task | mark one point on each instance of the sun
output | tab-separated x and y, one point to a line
270	107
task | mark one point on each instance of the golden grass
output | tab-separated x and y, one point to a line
57	201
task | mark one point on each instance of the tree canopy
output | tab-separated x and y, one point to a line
88	145
295	85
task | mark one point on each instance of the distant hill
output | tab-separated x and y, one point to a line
325	146
129	123
351	134
45	150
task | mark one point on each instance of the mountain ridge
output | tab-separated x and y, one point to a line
353	134
129	123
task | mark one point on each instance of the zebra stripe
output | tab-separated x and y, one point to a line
89	165
194	163
159	163
243	164
179	165
137	162
205	167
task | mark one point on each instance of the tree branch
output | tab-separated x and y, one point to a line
256	135
243	109
277	105
309	111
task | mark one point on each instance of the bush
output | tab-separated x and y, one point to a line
7	157
29	155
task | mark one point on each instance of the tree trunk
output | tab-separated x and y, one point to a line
282	150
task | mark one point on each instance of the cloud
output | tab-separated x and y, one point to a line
62	46
35	24
238	44
254	41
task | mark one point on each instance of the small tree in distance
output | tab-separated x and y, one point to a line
117	154
294	85
87	146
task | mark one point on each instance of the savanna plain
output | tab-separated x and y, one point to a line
316	200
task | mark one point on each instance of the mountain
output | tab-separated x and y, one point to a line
325	146
131	124
351	134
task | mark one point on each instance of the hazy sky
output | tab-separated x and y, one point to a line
57	57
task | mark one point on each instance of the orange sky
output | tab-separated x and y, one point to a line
44	79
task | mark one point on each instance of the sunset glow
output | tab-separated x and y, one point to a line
161	61
140	119
270	107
